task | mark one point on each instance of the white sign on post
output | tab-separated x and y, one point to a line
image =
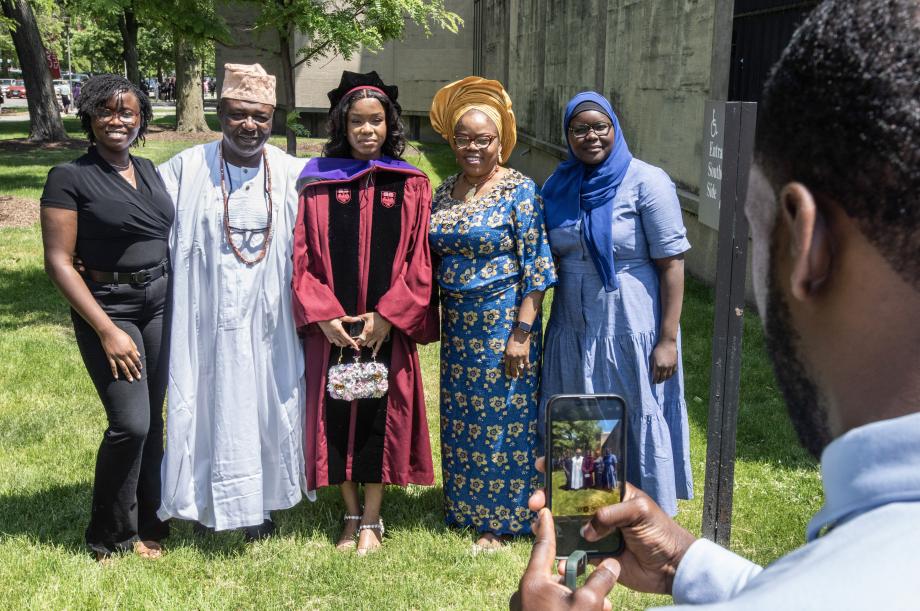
711	175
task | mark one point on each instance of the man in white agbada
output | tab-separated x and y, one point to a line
235	398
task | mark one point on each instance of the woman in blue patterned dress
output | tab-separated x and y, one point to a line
617	234
488	234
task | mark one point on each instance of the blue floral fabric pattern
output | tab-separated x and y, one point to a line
493	251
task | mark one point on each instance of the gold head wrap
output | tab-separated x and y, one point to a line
248	82
489	97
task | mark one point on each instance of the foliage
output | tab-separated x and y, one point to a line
341	28
573	434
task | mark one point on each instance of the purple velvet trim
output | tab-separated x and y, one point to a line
336	169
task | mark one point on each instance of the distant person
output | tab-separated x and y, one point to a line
111	209
234	450
610	470
578	477
487	230
599	471
834	211
567	469
587	468
77	86
65	103
616	230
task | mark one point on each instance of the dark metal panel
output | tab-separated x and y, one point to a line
761	30
728	325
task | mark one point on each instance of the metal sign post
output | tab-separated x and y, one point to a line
726	167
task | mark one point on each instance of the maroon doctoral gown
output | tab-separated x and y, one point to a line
361	244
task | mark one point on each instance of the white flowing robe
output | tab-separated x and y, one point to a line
234	441
578	478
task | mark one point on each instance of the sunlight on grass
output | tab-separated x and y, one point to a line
51	423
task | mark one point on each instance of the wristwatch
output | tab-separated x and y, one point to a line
526	327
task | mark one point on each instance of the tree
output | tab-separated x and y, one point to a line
128	26
194	24
189	97
45	124
341	28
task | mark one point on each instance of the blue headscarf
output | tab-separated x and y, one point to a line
575	186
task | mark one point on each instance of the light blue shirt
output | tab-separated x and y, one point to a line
868	556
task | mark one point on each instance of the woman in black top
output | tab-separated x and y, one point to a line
111	210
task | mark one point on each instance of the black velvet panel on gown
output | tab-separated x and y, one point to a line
386	233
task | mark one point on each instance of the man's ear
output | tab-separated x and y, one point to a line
811	251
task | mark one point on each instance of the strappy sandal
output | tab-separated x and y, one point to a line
149	550
350	543
363	551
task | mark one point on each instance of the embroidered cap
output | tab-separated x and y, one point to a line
248	82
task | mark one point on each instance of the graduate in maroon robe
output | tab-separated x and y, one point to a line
361	258
587	467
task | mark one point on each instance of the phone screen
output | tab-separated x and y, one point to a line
355	328
586	440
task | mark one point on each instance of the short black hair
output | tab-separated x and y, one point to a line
338	146
97	90
841	114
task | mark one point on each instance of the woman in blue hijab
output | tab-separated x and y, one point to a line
616	232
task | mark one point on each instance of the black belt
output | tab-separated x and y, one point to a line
143	276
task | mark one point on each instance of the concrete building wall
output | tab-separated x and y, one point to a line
419	65
657	61
249	47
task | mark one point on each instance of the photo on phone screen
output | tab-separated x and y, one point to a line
585	466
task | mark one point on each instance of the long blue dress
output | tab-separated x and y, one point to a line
493	251
600	342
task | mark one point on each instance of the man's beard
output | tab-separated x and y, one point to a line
803	401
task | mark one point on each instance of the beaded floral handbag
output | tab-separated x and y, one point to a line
357	380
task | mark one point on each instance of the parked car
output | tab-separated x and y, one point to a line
17	89
61	87
5	84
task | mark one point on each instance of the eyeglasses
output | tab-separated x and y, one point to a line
581	131
481	142
125	116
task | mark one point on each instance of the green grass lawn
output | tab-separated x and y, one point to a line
51	423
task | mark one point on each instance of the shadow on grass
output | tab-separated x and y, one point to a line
28	169
54	516
58	516
403	508
27	297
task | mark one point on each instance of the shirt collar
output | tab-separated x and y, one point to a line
869	466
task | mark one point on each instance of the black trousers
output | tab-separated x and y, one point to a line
126	492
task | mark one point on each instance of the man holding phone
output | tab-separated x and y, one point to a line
835	221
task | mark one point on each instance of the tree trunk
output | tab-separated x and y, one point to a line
189	99
127	24
45	123
287	90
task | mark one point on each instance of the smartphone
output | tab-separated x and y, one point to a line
585	465
355	329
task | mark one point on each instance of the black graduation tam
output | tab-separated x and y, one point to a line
352	80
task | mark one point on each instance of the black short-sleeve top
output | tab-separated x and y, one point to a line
119	228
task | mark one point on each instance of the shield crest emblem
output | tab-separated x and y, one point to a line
388	198
343	196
